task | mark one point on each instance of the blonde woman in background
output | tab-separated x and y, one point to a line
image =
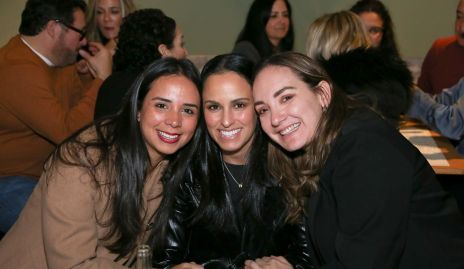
104	18
342	45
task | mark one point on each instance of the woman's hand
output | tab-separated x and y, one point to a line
272	262
187	265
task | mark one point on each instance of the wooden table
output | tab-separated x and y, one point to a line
442	155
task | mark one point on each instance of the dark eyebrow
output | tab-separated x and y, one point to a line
279	92
169	101
276	94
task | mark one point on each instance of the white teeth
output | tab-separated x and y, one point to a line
290	129
167	136
230	133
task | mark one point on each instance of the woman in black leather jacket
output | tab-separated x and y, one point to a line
227	209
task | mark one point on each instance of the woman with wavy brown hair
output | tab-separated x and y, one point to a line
370	198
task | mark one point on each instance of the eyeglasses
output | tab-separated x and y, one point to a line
81	32
375	30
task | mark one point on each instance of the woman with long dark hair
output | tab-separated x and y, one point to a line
97	197
268	29
227	209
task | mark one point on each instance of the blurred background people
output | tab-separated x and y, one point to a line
104	19
443	112
268	29
379	24
443	66
43	100
340	42
101	187
146	35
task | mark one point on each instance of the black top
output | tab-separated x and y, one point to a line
215	247
112	91
380	205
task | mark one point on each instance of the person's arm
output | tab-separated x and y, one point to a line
177	233
443	112
69	221
37	100
371	186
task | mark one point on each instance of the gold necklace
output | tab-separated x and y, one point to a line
240	185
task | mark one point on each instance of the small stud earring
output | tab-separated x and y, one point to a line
324	109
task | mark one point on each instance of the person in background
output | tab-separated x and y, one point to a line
42	99
227	209
443	66
100	189
268	29
370	198
378	78
443	112
378	23
104	19
146	35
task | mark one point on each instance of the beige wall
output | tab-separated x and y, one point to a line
211	26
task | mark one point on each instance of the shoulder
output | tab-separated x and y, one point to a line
366	66
248	50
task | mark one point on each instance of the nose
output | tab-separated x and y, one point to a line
106	16
227	118
277	118
174	119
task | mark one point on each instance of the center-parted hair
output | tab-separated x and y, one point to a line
254	30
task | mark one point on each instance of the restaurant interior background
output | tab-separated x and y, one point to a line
211	26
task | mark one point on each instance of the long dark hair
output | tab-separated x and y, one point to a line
206	170
117	159
254	30
388	42
215	209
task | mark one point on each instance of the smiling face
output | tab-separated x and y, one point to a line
169	115
229	115
109	17
278	23
288	109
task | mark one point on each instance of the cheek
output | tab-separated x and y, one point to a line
190	124
211	120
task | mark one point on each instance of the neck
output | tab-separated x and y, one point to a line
40	44
275	42
237	159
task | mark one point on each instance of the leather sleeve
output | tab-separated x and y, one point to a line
298	254
177	233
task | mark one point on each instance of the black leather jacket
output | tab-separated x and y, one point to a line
213	247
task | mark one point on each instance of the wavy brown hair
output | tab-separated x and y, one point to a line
298	171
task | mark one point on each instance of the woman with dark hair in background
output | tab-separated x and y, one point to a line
268	29
100	189
379	25
146	35
227	209
371	199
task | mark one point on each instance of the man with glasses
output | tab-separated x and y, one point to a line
42	98
443	65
